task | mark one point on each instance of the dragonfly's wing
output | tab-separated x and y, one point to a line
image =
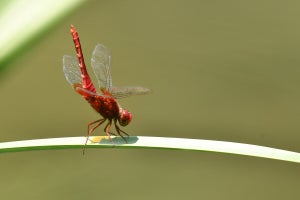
86	93
121	92
71	70
101	60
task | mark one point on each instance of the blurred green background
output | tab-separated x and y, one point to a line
220	70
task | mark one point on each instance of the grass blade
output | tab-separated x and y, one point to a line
153	143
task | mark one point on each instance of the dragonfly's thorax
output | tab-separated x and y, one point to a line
125	117
106	106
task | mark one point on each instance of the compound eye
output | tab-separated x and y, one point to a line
125	117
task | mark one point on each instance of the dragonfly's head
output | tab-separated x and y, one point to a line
125	117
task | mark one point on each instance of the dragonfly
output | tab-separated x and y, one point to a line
105	100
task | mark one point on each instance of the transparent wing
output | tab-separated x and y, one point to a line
101	60
121	92
71	70
86	93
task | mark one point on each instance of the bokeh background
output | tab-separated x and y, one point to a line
219	70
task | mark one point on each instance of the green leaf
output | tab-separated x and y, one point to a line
21	21
153	143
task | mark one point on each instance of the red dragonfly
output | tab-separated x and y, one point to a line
104	102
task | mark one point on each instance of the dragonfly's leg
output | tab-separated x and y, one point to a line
107	128
90	131
120	131
94	122
111	133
